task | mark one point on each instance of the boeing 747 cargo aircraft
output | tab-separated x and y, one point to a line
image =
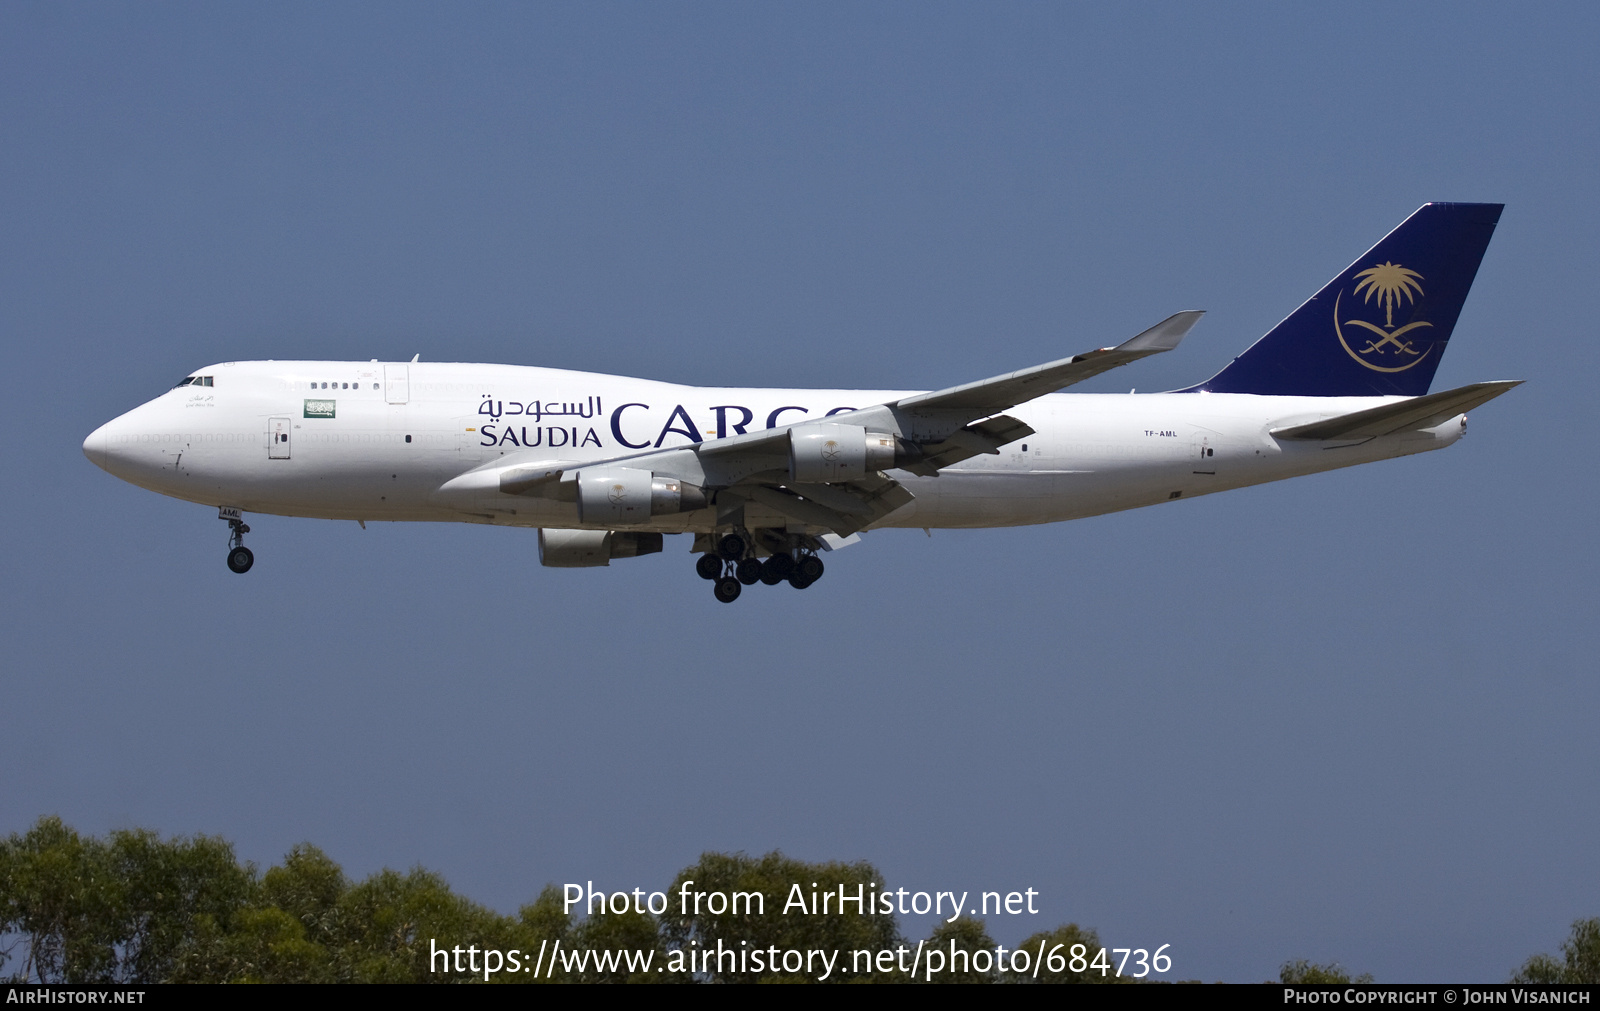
767	480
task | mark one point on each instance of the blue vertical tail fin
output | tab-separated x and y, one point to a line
1381	326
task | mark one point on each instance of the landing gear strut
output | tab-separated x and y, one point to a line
240	558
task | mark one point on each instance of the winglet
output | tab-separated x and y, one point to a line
1165	335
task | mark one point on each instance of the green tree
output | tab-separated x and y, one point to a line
390	924
163	886
544	922
957	941
627	931
58	895
309	887
288	934
758	919
115	910
261	945
1580	962
310	923
1302	971
1057	964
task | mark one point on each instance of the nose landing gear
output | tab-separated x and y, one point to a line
240	558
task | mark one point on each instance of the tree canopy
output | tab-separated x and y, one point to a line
1579	961
1302	971
762	923
134	907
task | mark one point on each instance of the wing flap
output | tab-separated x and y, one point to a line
843	508
1407	415
804	510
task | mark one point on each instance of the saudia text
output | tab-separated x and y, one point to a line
628	422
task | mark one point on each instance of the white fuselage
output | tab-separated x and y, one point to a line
376	441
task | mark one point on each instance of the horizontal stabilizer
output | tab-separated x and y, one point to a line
1407	415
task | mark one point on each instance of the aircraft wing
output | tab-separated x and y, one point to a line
931	431
991	396
941	422
1407	415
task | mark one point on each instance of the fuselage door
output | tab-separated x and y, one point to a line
397	383
1203	451
278	438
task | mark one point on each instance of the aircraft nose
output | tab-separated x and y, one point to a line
94	447
110	447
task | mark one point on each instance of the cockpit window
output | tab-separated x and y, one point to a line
185	381
195	381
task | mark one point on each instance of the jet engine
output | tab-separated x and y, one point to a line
622	496
577	549
822	453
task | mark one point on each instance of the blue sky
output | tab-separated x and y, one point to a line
1345	717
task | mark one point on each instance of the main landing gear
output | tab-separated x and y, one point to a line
734	565
240	558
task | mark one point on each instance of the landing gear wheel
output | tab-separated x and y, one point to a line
809	568
709	566
800	582
728	589
731	547
769	572
783	564
240	557
748	571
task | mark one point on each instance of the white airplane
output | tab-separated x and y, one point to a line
768	479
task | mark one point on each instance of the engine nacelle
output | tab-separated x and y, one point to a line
577	549
822	453
622	496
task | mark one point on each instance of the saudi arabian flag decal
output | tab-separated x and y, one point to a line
319	408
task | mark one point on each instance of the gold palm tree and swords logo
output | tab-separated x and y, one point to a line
1386	349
